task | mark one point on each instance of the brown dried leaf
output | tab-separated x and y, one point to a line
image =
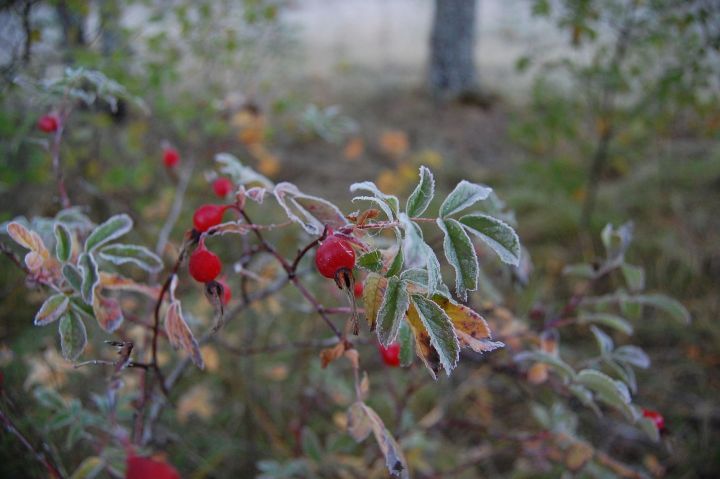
329	355
180	335
424	349
107	311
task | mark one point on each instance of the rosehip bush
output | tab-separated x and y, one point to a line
416	269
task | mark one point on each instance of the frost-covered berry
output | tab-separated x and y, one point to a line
207	216
334	254
205	265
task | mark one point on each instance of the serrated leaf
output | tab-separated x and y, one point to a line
669	305
180	335
608	390
405	338
392	310
634	277
413	245
127	253
435	280
632	355
390	200
373	294
51	310
371	261
463	196
63	242
498	235
606	319
440	328
72	276
396	265
604	342
471	328
625	373
112	229
421	197
380	203
561	367
90	277
240	173
460	253
310	212
73	336
423	348
39	257
585	396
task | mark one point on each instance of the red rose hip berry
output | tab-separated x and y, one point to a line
171	157
391	354
222	187
333	255
205	265
148	468
207	216
358	290
48	123
656	418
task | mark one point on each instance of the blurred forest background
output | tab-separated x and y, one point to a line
579	113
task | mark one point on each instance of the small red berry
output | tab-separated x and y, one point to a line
227	292
48	123
171	157
222	186
207	216
656	418
148	468
205	265
358	289
334	254
391	354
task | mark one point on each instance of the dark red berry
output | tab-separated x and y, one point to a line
48	123
205	265
207	216
222	186
358	289
171	157
227	292
391	354
334	254
148	468
656	418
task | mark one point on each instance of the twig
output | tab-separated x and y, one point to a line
10	427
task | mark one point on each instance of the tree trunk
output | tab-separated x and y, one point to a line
452	70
